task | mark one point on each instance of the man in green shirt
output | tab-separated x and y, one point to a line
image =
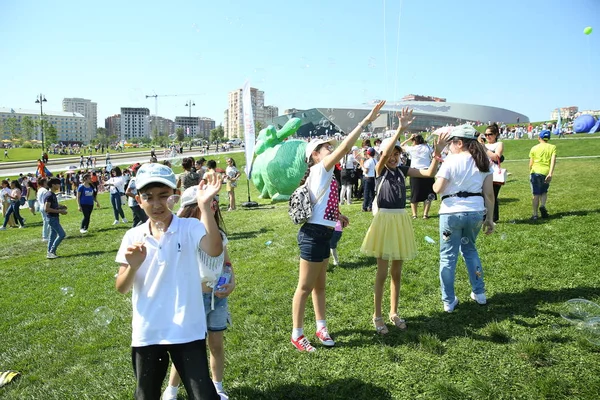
542	159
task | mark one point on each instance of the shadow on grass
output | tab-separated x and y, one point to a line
89	253
360	262
247	235
349	388
559	215
507	200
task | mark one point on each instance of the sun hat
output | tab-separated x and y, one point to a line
386	142
464	131
313	144
545	134
155	173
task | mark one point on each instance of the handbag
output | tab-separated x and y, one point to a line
300	206
499	174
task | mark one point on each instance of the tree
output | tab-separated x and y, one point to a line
155	132
12	126
102	136
27	128
179	134
217	134
50	133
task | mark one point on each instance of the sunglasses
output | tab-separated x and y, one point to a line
490	134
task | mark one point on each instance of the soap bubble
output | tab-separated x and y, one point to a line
350	114
464	240
68	291
503	236
576	311
591	330
430	198
172	201
103	316
429	240
268	243
160	226
176	162
331	117
325	123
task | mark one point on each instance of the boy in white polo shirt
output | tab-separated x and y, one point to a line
160	260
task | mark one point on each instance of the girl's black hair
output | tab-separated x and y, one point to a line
117	171
418	139
494	128
232	161
478	152
311	162
211	164
191	211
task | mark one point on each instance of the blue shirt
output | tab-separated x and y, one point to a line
86	195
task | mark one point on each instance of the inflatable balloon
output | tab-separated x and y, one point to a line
584	123
587	30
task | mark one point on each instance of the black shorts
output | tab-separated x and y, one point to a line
313	241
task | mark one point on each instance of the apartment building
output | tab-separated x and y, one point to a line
88	109
134	122
71	127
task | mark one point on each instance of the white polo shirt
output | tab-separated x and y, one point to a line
168	307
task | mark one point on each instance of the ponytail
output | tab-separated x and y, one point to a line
478	152
311	162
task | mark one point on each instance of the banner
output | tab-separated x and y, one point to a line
249	134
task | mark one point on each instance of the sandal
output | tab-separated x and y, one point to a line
399	322
380	325
414	217
425	216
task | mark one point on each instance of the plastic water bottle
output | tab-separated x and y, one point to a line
225	277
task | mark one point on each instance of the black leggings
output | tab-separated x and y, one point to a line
496	213
150	365
86	209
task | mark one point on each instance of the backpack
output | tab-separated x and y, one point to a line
300	209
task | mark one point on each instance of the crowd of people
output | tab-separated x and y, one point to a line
459	168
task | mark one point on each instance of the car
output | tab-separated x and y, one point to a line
234	142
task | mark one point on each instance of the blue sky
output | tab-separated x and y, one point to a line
529	56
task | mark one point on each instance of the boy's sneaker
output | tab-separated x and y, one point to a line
82	231
116	222
125	220
479	298
302	344
170	393
544	212
2	228
51	255
450	307
324	337
222	394
534	218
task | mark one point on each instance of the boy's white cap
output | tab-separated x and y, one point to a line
155	173
312	145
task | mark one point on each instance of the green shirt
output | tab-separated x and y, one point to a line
541	154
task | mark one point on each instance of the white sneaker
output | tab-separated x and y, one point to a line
222	395
479	298
116	222
450	307
51	255
170	393
125	220
2	228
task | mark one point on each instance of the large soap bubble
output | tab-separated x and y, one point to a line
577	311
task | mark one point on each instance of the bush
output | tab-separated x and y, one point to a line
27	145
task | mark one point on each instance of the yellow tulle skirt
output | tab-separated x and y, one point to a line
390	236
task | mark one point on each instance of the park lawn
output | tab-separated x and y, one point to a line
23	154
516	347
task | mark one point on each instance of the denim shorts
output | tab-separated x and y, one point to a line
538	184
217	319
314	241
335	238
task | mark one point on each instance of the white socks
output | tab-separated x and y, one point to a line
297	332
321	324
170	392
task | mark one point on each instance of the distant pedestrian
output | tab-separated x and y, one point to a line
542	159
14	199
41	199
53	209
85	200
6	153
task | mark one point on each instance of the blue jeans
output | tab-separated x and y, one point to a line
14	209
368	193
57	234
115	200
45	225
458	232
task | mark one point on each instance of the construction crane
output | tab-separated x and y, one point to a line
156	96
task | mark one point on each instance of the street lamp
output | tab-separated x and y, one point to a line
41	99
190	104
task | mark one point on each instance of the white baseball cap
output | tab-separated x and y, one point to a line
189	196
313	144
152	172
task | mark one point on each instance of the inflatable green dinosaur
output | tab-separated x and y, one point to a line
280	164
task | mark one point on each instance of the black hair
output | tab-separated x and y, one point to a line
232	161
311	162
478	152
117	171
191	211
494	128
54	181
418	139
187	163
211	164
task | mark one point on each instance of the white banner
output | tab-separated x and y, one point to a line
249	134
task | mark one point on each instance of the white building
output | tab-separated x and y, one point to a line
88	109
163	126
134	123
70	126
235	118
565	112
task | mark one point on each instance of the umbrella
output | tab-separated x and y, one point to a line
70	171
6	141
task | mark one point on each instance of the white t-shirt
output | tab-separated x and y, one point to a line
167	290
348	162
325	211
463	176
420	156
41	194
5	192
119	184
369	167
131	200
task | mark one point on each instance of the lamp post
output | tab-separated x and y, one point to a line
190	104
42	99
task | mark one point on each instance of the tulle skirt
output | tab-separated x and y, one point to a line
390	236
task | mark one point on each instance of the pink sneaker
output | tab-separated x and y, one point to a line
324	337
302	344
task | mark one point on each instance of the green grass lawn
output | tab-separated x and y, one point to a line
23	154
516	347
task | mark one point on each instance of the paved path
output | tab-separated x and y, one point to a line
122	159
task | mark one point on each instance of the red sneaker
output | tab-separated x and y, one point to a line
324	337
302	344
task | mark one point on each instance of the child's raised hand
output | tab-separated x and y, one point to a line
405	118
135	255
208	190
375	112
441	142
